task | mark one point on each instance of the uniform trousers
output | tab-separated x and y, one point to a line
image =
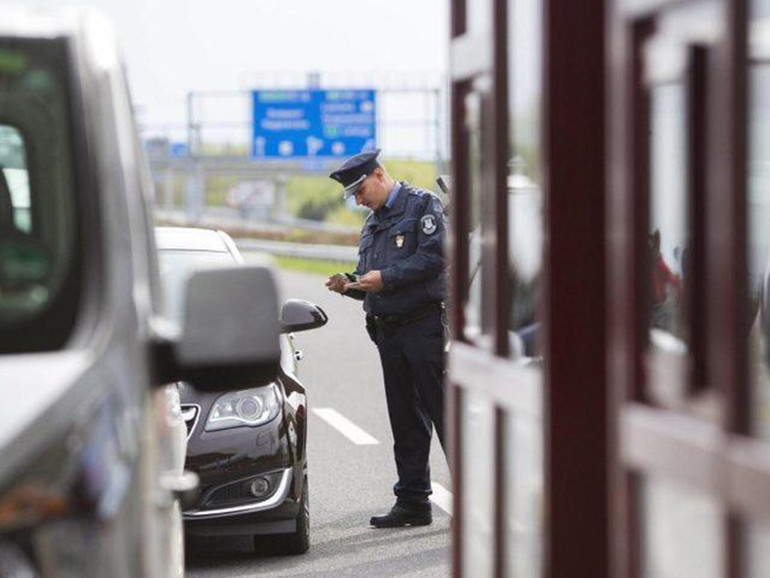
412	357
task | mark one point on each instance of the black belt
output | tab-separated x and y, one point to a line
397	320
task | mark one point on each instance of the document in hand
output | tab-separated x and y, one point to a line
353	281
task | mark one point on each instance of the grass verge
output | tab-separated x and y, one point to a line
323	268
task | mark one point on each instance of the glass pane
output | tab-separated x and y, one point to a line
479	16
525	199
478	471
759	551
761	9
37	199
669	237
678	64
669	244
758	208
524	483
759	216
683	533
473	317
13	166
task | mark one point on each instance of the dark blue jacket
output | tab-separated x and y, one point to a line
406	244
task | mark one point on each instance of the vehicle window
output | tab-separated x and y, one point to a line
176	266
14	181
39	280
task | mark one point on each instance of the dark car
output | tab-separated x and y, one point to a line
248	446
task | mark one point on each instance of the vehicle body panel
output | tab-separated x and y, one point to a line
84	437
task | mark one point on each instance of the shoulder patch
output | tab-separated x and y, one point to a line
428	224
412	190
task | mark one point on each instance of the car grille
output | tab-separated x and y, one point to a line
229	493
235	492
190	414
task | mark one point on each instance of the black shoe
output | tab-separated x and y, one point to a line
403	516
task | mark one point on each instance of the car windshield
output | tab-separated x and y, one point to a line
176	266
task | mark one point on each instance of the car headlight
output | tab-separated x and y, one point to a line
250	407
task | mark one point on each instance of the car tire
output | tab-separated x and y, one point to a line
292	544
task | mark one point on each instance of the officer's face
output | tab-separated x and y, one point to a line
374	191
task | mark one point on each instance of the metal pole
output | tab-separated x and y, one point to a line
437	128
281	190
168	189
378	120
190	122
314	80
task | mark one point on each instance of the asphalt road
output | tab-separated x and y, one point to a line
348	482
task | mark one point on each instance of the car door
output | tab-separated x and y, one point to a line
73	366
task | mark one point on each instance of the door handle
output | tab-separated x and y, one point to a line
183	486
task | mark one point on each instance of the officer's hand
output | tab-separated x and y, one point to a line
336	283
372	282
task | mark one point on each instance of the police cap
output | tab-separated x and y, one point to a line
354	170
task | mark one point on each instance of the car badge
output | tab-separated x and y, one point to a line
400	241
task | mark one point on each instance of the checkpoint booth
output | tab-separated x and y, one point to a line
632	442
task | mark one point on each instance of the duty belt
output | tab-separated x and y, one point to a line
397	320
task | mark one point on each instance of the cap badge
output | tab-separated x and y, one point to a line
399	241
428	224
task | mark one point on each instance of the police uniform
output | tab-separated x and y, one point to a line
406	320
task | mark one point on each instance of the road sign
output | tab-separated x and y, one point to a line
290	124
179	150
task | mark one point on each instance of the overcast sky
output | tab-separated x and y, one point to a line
175	46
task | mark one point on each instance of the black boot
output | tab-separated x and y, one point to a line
404	515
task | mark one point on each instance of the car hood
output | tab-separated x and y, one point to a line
189	395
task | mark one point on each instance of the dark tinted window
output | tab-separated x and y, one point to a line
39	272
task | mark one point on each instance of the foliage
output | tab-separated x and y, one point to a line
276	234
312	197
418	173
324	268
320	199
342	215
217	187
316	197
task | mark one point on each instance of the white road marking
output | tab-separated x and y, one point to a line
441	497
345	426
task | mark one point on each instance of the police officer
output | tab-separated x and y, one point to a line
401	279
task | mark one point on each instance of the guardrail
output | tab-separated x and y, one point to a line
300	250
227	217
315	251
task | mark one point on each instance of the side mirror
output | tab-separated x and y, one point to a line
298	315
230	337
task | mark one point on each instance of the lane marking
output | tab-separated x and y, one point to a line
345	426
441	497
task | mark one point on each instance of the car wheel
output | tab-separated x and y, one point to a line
292	544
